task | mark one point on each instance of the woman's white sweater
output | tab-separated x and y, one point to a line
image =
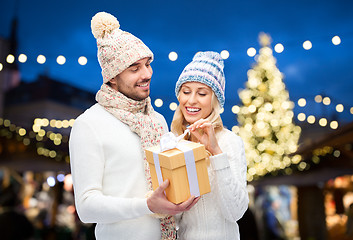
215	214
108	176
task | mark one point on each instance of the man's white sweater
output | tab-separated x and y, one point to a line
108	176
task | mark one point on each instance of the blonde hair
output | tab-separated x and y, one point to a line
179	123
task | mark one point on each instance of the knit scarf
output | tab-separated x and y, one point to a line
139	116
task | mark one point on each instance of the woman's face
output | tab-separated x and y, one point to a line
195	101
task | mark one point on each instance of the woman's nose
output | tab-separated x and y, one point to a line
192	99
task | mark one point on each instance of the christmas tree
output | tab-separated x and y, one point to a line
265	117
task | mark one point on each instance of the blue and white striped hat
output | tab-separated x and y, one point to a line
206	68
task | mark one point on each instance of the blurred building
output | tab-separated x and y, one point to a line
34	133
9	72
321	184
45	111
45	98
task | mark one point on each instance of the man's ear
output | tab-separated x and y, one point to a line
112	81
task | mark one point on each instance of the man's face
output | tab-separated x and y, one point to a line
134	82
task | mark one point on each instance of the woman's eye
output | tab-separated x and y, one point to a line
186	92
202	94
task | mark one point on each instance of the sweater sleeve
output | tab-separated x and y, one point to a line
229	168
87	167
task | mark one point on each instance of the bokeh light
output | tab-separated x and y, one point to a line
173	56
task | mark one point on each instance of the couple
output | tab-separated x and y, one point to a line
111	177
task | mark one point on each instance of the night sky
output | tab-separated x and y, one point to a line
54	28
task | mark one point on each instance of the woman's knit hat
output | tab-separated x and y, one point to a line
206	68
117	49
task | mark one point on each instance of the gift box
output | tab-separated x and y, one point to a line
186	168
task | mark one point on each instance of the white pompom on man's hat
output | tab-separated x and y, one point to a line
117	49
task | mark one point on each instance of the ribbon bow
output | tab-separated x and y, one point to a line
170	141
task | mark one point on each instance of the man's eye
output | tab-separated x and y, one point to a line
134	69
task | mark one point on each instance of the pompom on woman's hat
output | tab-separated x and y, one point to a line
207	68
117	49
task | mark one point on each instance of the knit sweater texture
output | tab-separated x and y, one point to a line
108	176
214	216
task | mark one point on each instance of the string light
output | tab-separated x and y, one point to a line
235	109
10	58
318	98
61	60
173	106
82	60
334	124
336	40
41	59
279	48
323	122
307	45
235	129
301	117
301	102
251	52
173	56
158	102
326	101
22	132
22	58
224	54
311	119
339	108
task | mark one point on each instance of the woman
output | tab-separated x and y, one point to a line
200	92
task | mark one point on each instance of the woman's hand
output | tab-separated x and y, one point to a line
207	137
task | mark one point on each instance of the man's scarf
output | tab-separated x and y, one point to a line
140	117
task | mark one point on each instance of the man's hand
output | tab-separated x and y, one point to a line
158	203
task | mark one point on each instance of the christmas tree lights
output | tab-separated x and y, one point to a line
265	117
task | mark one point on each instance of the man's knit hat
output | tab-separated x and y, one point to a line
206	68
117	49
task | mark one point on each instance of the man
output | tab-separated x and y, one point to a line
110	173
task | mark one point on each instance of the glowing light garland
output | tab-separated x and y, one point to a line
172	56
38	138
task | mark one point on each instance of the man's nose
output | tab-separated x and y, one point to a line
146	72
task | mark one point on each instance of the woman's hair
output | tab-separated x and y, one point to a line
179	123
